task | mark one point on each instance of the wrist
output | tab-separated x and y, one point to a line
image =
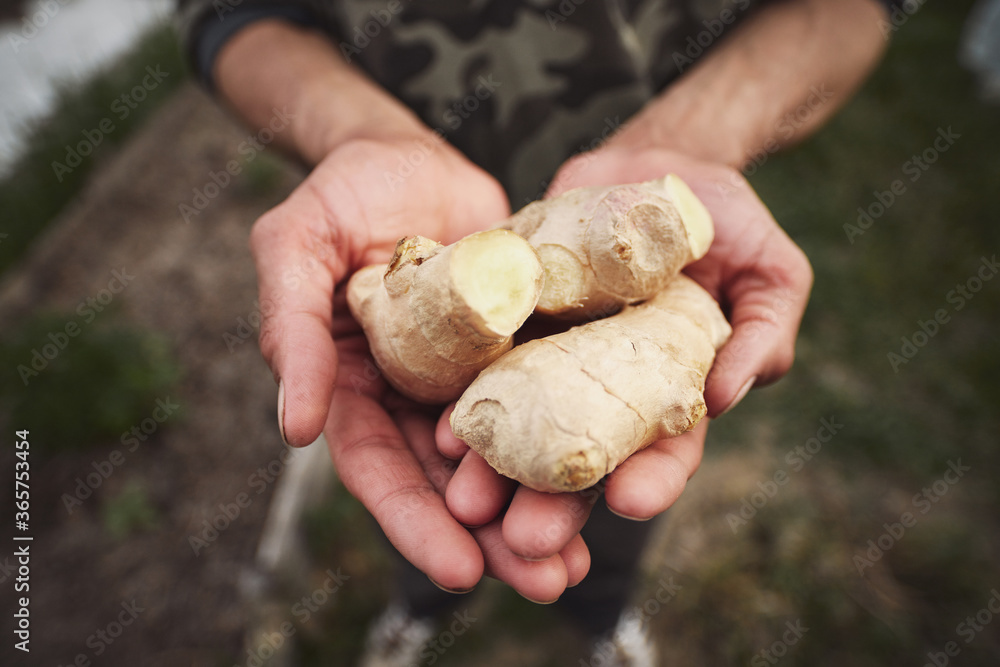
327	122
274	66
681	120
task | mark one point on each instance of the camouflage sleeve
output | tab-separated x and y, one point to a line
516	85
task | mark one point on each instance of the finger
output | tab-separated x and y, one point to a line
539	525
297	268
448	443
377	466
585	170
650	481
540	581
766	308
576	557
764	280
477	493
417	429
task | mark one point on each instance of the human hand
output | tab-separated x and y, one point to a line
347	214
762	280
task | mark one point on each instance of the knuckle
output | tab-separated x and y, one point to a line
264	230
269	337
781	361
730	179
802	269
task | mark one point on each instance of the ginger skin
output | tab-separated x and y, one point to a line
559	413
605	247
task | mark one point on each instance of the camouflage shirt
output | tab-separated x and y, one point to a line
517	85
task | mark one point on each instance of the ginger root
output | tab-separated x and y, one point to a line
437	315
559	413
604	247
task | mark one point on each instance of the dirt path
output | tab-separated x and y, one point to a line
192	282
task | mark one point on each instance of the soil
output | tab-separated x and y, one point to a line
192	282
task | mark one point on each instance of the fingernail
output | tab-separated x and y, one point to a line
456	591
281	411
740	394
533	559
626	516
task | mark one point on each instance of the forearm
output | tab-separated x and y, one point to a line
770	83
276	65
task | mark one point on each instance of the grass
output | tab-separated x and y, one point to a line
873	292
86	386
902	425
110	380
131	511
36	191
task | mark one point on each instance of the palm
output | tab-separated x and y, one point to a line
372	193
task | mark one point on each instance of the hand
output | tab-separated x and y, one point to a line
761	278
349	213
758	274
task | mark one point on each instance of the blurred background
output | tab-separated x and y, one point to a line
847	515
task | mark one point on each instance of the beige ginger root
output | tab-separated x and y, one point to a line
604	247
559	413
437	315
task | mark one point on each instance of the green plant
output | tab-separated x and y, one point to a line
34	192
98	385
129	511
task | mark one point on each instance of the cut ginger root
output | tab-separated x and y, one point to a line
605	247
561	412
436	315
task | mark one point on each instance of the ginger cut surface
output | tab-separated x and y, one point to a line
436	315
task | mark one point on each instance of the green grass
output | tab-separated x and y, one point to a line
34	193
109	375
84	387
900	427
131	511
871	293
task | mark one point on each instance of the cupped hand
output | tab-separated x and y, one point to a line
761	279
349	213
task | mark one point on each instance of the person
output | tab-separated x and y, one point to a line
436	119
